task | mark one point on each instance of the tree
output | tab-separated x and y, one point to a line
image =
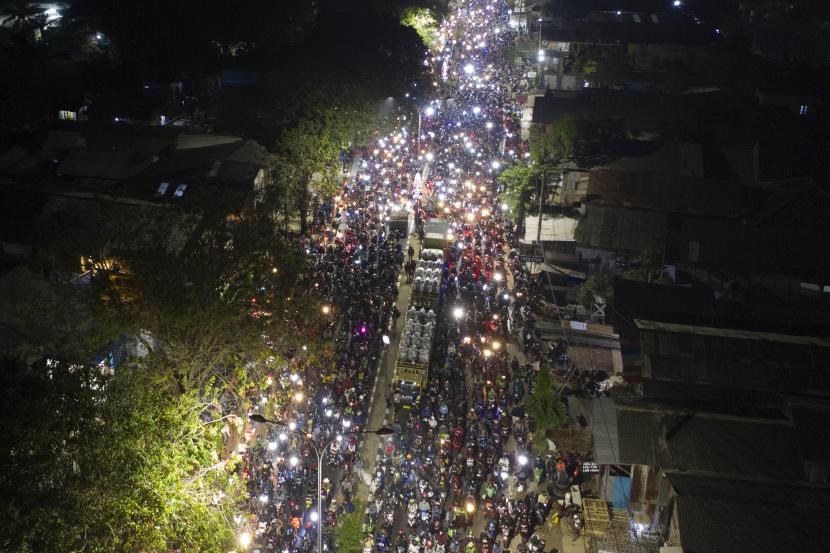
110	463
577	139
648	266
349	538
599	284
520	182
546	409
424	22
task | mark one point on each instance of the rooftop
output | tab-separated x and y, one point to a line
709	442
717	514
732	333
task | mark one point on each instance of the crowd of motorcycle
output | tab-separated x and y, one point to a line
459	474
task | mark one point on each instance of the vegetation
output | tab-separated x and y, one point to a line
520	184
599	284
424	22
578	140
349	537
647	267
546	409
110	463
139	458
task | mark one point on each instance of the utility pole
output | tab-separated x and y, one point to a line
539	222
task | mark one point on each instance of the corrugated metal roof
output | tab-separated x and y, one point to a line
707	442
747	516
732	333
663	191
621	229
606	436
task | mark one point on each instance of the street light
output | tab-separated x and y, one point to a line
244	540
541	53
457	312
319	451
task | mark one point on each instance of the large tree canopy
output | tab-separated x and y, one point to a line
110	463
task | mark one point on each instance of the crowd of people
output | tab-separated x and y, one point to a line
459	474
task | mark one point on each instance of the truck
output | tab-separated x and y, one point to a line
415	347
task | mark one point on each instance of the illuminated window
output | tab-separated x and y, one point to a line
162	189
803	109
180	190
66	115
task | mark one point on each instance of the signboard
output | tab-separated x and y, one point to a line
531	258
589	466
579	325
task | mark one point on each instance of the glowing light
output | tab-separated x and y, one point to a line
457	312
469	69
244	540
430	111
523	460
293	461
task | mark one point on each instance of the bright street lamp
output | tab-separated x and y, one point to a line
457	312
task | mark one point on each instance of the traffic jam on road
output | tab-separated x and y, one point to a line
456	470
